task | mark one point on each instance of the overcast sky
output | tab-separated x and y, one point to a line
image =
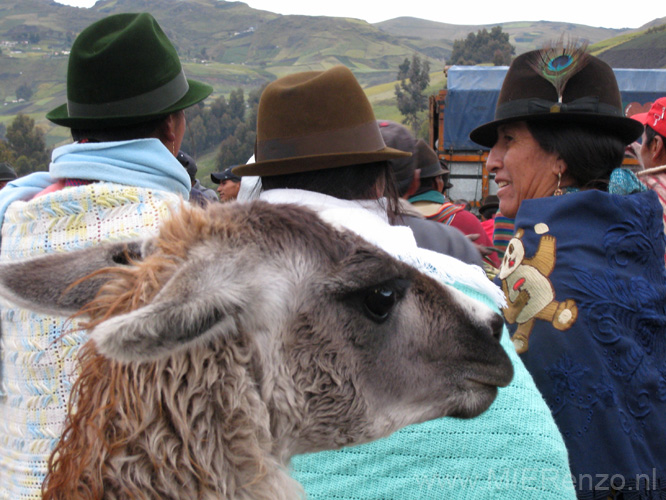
621	14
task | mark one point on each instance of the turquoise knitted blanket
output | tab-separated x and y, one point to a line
512	451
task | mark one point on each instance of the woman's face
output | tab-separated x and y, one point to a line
523	170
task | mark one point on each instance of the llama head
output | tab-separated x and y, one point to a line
348	344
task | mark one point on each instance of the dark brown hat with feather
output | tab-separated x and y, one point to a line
560	84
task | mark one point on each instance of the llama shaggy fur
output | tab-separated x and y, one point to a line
242	335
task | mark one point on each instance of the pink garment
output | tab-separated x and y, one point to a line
489	227
52	188
63	183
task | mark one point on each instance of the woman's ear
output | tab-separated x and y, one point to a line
559	166
166	132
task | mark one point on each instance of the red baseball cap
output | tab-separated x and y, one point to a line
655	118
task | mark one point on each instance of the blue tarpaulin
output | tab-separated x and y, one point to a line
473	92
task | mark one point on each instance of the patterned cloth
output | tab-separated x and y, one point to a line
38	352
434	206
145	163
502	232
586	290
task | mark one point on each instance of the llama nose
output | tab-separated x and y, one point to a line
496	326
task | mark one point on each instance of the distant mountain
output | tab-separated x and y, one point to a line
637	49
230	45
525	36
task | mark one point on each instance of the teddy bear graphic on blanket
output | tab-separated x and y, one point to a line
529	293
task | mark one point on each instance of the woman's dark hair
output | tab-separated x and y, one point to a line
126	133
353	182
591	154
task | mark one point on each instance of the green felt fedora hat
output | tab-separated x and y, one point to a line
315	120
123	70
589	96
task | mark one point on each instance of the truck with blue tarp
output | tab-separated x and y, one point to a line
469	101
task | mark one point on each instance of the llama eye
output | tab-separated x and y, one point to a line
378	300
378	303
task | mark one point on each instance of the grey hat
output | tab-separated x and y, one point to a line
428	161
398	137
7	173
226	175
430	164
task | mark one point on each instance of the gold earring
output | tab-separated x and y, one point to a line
173	148
559	191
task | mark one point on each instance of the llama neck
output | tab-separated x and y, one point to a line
221	426
189	426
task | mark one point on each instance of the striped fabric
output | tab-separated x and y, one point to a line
39	352
446	213
502	233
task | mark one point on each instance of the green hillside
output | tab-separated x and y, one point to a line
524	35
642	49
230	45
226	44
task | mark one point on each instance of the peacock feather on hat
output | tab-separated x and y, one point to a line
558	63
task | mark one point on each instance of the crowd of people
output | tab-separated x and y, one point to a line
576	245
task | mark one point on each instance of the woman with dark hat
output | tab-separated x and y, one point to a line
319	145
584	274
126	92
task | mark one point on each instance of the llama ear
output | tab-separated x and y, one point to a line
203	298
44	284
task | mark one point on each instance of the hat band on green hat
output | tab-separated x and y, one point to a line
143	104
361	138
535	106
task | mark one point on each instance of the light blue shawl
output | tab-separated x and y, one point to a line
140	163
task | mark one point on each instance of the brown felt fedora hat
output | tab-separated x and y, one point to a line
591	96
313	121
